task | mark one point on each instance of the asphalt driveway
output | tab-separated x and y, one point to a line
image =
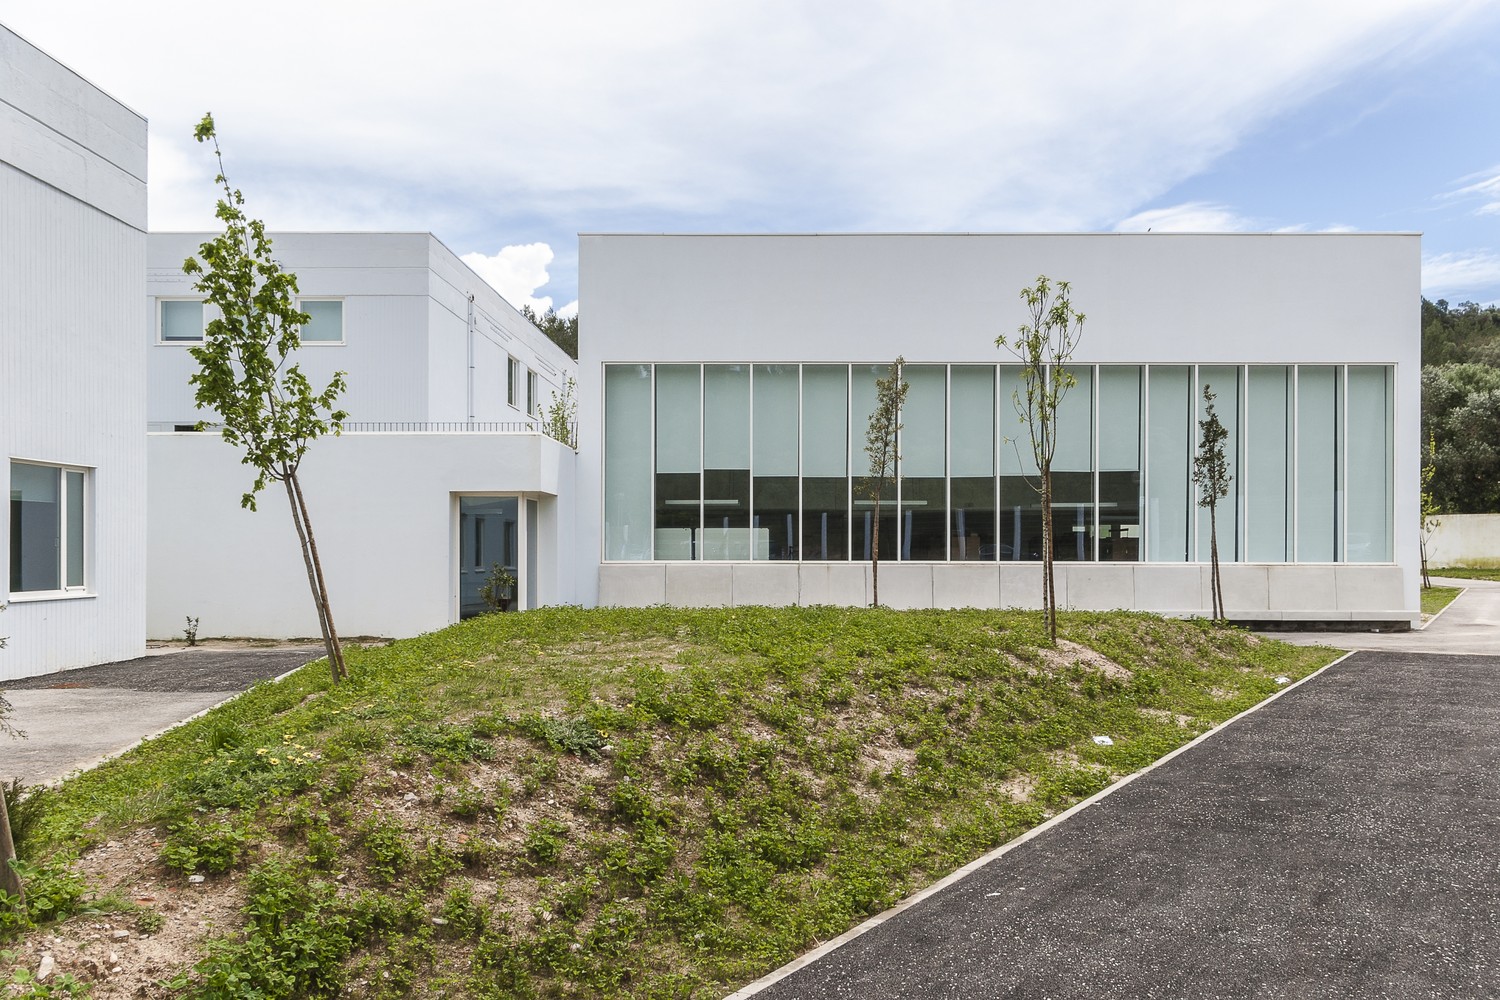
1343	841
74	718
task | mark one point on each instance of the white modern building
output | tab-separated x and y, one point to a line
441	475
72	366
722	444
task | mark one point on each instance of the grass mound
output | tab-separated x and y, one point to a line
592	803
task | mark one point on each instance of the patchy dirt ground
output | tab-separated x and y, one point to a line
128	949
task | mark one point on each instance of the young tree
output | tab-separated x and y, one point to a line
560	420
1429	507
880	445
1044	344
266	406
1211	476
10	879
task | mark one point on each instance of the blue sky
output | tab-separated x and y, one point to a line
507	128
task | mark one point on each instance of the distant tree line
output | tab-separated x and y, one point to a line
562	332
1461	405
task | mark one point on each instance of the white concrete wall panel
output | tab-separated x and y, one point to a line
382	511
1465	540
72	368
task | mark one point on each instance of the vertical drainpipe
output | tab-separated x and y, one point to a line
470	388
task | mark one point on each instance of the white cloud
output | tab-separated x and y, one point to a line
516	272
1189	217
878	114
1464	271
1483	186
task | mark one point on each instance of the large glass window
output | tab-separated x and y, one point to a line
1168	462
775	462
627	462
1224	382
182	321
973	456
862	404
1020	483
1073	471
1371	454
679	441
726	462
825	462
48	528
326	323
1319	484
1120	463
924	464
1268	463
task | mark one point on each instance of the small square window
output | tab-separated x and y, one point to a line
181	321
326	325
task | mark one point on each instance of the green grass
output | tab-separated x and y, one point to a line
1435	599
1467	572
642	803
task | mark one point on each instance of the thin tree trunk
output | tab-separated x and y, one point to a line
312	544
1049	590
312	578
1213	555
875	552
1422	547
10	879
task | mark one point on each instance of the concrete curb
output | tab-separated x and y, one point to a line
958	875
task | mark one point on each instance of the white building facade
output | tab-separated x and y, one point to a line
442	475
723	461
72	367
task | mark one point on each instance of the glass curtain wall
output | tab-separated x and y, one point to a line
825	462
1224	382
1269	415
627	462
1073	472
777	389
726	462
765	461
924	465
1319	480
1120	463
972	444
679	457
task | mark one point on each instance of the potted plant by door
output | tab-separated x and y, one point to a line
499	589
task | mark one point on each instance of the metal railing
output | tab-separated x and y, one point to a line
390	427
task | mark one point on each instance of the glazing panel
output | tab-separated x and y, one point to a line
726	462
74	489
973	519
1120	463
776	388
1318	486
825	421
774	528
36	520
973	422
1371	451
924	423
486	549
627	462
1168	451
924	520
825	518
1224	381
678	404
1268	463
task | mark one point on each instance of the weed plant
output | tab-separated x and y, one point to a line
640	803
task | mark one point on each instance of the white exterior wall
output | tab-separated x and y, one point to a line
406	330
384	516
1150	298
72	370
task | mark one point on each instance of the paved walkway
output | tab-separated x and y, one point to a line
1341	842
1470	624
74	718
